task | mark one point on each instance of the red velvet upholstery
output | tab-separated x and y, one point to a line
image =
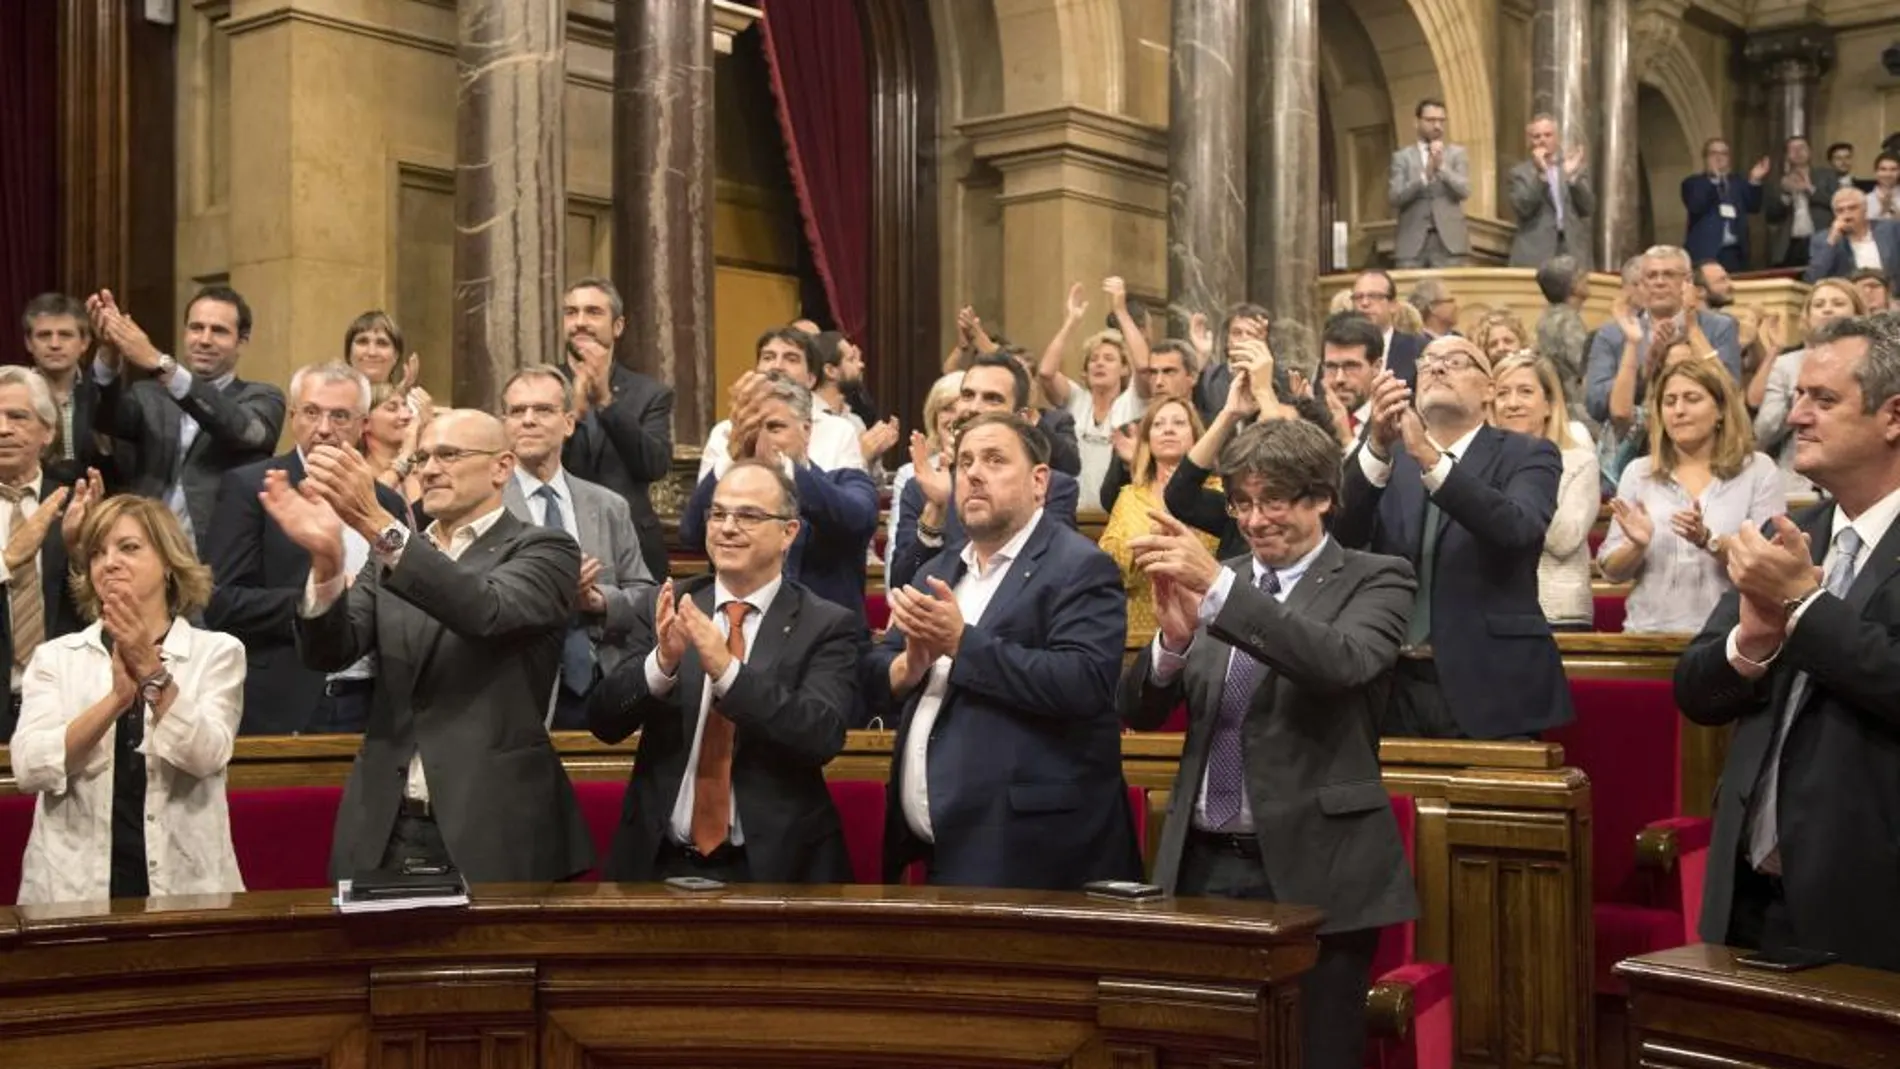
600	802
860	805
877	611
1609	610
1429	1046
282	835
16	823
1624	931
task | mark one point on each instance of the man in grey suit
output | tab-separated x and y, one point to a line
467	619
1428	184
181	429
1853	241
1550	192
1284	658
537	408
1665	281
1802	207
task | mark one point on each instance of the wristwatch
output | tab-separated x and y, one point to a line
389	541
166	365
1791	605
154	685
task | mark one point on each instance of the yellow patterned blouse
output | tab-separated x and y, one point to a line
1128	521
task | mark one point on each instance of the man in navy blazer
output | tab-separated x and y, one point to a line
1662	287
1469	505
1719	205
929	524
1842	249
1000	668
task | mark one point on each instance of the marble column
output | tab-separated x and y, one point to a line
1618	198
510	190
1283	173
663	198
1207	159
1791	62
1560	68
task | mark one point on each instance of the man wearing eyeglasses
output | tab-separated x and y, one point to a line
740	684
1664	277
1376	296
1469	505
259	572
537	407
468	620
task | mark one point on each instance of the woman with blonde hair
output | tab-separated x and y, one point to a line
1676	508
1529	399
390	435
940	413
1500	334
1167	432
126	727
1771	392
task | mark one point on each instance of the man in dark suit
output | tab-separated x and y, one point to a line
1719	204
189	423
259	573
1802	659
467	621
1376	296
1802	207
1662	286
624	437
1283	657
38	604
740	687
929	524
1243	323
1854	241
58	333
1000	669
1469	506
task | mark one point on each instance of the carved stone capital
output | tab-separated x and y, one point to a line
1793	54
729	21
1655	25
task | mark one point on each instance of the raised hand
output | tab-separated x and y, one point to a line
1117	291
1391	400
1241	400
1634	519
1078	305
1625	317
933	618
86	491
1574	160
1760	170
1174	550
26	539
1772	571
1123	440
1418	443
878	438
1689	525
704	635
132	638
111	325
669	637
1177	612
305	518
1201	336
933	482
346	480
592	598
411	373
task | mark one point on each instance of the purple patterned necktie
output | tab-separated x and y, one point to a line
1226	778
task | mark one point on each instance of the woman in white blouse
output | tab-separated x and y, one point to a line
1771	393
126	727
1676	508
1530	400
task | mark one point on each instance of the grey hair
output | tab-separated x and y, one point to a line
793	394
1428	292
543	371
1633	270
330	372
1670	252
1557	278
1878	374
604	285
38	393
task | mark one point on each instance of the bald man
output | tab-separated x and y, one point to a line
468	619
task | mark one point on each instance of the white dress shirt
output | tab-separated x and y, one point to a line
187	828
659	684
834	445
30	503
355	555
530	487
1164	664
1866	253
1379	472
974	593
318	597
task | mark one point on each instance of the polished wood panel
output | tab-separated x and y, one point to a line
591	974
1695	1008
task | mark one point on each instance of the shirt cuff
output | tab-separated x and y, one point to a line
726	679
102	372
318	597
179	385
1801	610
659	684
1377	472
1164	666
1744	667
1436	477
1216	598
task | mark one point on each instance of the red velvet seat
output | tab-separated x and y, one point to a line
16	823
282	835
1608	611
1426	1042
877	611
600	802
860	805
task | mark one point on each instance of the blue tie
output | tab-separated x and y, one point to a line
577	650
1226	774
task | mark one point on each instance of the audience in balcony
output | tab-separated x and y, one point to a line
1802	207
1530	400
1676	509
1719	203
1169	429
1427	184
1773	394
1552	199
1854	241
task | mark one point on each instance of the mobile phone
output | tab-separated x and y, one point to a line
1125	890
695	883
415	867
1786	959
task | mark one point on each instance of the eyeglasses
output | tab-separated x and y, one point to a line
447	454
1336	368
1449	364
1240	508
539	411
342	417
747	518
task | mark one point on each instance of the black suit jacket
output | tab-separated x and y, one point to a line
788	707
1401	357
1310	737
1065	453
1024	761
259	576
1838	803
1498	665
237	425
58	609
838	514
467	654
625	446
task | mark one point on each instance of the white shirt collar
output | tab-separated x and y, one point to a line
1010	551
760	599
1292	573
34	485
469	532
1460	448
1872	524
530	485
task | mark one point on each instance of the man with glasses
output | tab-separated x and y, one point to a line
742	654
1428	183
1437	307
537	407
1376	296
1664	281
259	573
468	621
1469	505
1351	353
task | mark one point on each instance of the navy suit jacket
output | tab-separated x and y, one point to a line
838	516
1827	260
58	610
907	555
1024	772
1700	196
626	446
1497	663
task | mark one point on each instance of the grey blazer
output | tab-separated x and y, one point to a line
605	523
1778	208
469	649
1538	236
1310	737
1423	205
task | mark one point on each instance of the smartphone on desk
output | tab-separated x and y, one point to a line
695	883
1125	890
1786	959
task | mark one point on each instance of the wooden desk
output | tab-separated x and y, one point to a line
592	974
1694	1008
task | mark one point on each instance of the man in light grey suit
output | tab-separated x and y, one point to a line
467	620
1284	658
1428	184
1550	192
537	409
1664	319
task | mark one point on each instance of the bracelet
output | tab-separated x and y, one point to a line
928	531
403	467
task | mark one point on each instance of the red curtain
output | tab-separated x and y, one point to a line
815	51
29	158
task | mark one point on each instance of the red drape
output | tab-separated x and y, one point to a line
815	50
29	160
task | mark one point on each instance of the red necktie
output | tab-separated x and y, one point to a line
712	780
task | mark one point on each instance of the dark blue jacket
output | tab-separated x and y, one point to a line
1700	196
907	555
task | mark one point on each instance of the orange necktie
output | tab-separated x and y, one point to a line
712	780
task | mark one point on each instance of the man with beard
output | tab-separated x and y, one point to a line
840	376
623	434
1713	285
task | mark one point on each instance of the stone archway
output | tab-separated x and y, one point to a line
1675	114
1457	42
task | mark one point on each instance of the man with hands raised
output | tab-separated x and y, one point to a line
1469	505
467	619
740	684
